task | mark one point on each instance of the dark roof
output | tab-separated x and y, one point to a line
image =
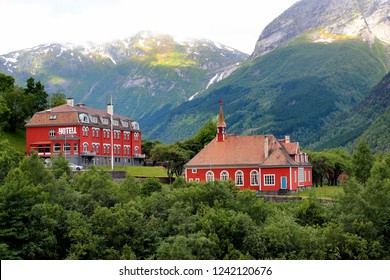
70	115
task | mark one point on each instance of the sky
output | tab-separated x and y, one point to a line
234	23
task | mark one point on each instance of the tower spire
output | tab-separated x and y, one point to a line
221	125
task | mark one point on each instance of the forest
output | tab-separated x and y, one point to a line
56	214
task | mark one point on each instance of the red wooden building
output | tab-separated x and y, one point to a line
261	163
85	135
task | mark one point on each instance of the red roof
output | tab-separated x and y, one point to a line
69	115
243	150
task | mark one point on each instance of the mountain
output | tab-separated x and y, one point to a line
368	120
142	73
308	67
326	21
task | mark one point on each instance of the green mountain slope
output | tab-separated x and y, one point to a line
142	73
293	90
367	120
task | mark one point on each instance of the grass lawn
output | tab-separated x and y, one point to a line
326	192
147	171
16	139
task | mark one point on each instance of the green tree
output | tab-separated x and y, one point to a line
37	94
362	162
173	156
56	99
9	158
6	82
19	108
60	166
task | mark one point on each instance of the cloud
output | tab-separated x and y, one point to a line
236	23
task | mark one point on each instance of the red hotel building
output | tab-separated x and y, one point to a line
262	162
84	135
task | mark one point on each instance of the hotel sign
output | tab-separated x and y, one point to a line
67	130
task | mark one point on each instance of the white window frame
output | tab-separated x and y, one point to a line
194	170
301	175
236	176
210	176
57	147
255	175
269	179
224	176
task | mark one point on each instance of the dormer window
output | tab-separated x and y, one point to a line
94	119
135	125
53	117
125	123
115	122
84	118
105	121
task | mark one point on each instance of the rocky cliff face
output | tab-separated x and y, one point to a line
327	20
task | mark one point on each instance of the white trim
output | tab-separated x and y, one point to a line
291	179
235	178
281	177
257	175
212	174
271	175
260	184
220	175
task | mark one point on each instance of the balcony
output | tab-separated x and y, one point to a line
88	153
139	156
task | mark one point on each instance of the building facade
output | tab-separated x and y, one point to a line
262	162
85	136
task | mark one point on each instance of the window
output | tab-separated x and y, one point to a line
52	132
136	135
224	176
301	175
53	117
254	178
194	170
84	118
57	147
66	148
135	125
105	121
269	180
239	178
308	176
75	148
136	150
85	147
209	176
94	119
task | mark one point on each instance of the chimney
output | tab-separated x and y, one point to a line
266	147
70	101
287	139
110	109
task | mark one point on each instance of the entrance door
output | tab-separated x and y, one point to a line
283	182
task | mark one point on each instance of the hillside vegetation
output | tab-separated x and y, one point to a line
367	120
293	90
52	214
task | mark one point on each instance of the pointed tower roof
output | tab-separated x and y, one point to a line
221	120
